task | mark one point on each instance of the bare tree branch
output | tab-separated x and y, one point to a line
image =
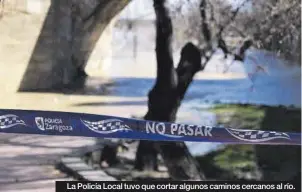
204	23
234	14
209	51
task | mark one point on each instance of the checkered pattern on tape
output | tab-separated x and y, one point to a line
7	120
256	134
106	126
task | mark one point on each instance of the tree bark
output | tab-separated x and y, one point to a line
165	98
146	157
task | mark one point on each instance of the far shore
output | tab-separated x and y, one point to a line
200	75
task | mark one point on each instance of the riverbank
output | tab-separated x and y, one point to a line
251	162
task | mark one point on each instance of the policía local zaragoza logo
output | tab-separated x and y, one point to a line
106	126
55	124
256	136
10	120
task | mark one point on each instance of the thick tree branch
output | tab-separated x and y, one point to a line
240	55
165	66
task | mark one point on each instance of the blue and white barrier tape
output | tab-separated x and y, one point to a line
102	126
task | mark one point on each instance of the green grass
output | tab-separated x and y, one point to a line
239	116
240	161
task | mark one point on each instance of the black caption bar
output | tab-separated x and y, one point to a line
70	186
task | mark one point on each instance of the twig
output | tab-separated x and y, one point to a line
238	31
231	19
207	32
278	13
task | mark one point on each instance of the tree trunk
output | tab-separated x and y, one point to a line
146	157
165	98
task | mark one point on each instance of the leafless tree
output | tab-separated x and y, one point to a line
216	22
273	25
